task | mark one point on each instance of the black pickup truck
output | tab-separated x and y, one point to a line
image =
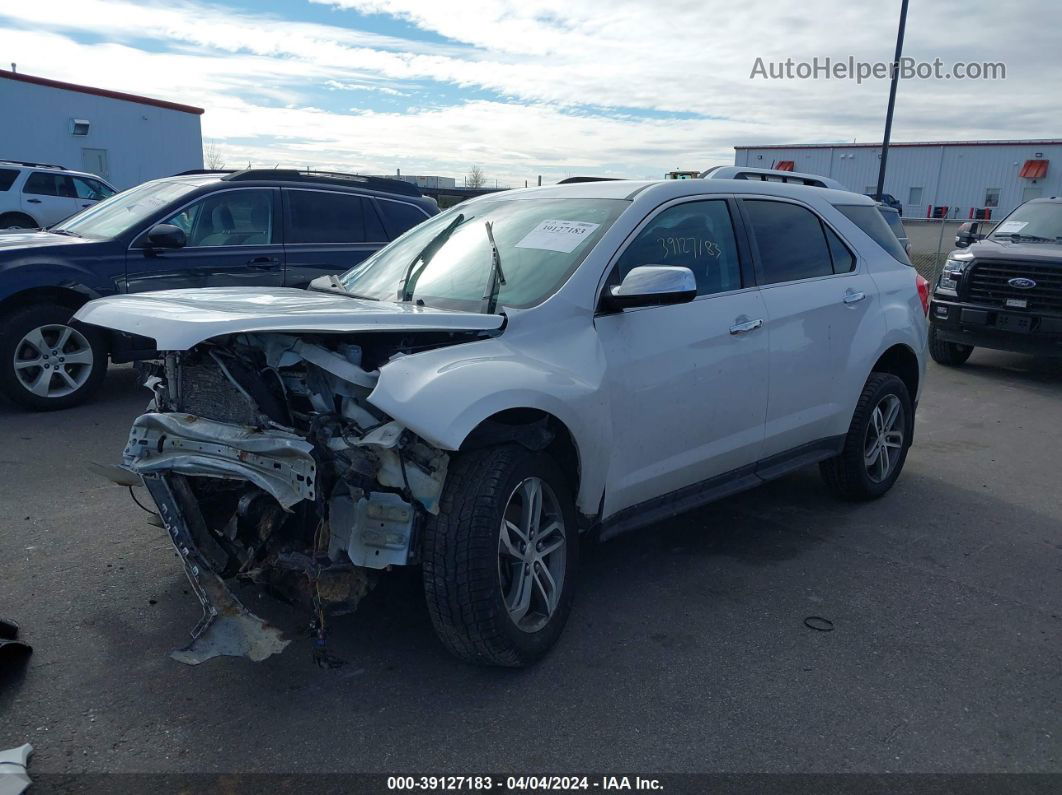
1003	291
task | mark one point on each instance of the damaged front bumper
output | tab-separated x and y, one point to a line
278	462
227	627
358	530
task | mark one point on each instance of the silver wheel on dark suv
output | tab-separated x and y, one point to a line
48	363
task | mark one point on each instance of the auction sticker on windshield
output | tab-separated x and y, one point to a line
554	235
1011	227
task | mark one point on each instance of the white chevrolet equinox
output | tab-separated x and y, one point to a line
521	369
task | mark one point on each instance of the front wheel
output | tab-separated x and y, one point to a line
877	442
499	561
45	363
950	354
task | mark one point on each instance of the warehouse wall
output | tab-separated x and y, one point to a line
141	142
955	176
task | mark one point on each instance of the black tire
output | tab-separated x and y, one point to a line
461	563
847	474
950	354
17	221
13	329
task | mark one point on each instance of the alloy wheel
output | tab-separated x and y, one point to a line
884	439
53	361
532	550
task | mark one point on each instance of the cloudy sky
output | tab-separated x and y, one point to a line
552	87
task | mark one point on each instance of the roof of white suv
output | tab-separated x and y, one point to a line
23	165
665	190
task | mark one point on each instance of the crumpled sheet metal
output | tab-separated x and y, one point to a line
13	775
227	628
425	486
278	462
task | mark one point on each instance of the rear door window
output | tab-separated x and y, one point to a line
869	219
41	184
7	178
401	216
315	216
790	239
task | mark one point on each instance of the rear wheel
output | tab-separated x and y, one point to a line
45	363
16	221
877	442
950	354
499	560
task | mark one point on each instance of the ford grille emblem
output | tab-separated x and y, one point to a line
1022	283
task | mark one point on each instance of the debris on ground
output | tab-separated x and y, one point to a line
13	763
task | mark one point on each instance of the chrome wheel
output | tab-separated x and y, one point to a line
884	439
53	361
532	548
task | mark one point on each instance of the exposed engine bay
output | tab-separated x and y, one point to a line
269	466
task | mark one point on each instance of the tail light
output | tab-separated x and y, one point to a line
923	292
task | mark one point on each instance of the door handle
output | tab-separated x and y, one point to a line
264	263
854	296
34	201
746	326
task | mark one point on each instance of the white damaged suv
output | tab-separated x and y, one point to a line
521	369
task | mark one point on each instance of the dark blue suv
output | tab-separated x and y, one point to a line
199	229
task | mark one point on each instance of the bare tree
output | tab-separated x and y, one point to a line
476	178
212	158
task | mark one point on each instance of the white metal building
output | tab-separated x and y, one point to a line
953	179
124	138
422	181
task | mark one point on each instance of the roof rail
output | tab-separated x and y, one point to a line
381	184
193	171
573	180
33	165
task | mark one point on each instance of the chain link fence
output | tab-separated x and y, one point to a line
931	241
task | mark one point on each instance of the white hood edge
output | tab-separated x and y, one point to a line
180	319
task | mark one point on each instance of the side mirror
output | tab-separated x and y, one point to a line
166	236
653	285
967	234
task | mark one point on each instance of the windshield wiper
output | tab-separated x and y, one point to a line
62	232
1017	238
424	257
497	276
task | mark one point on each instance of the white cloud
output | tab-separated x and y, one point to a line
557	64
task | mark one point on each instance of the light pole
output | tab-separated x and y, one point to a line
892	100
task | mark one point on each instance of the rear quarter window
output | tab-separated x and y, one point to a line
401	216
870	220
7	178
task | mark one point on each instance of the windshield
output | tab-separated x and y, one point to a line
1035	222
450	262
124	210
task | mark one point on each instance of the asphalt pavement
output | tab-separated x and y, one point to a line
687	649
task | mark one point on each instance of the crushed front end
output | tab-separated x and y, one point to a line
269	466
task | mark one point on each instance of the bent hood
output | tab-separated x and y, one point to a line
179	319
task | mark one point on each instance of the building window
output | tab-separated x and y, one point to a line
914	196
991	197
